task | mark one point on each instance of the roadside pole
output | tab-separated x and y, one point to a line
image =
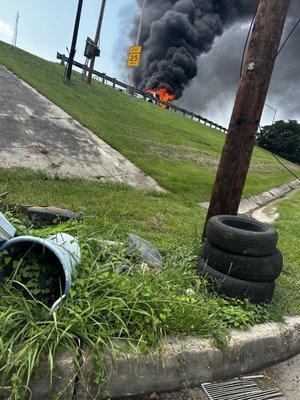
74	41
97	37
137	42
249	104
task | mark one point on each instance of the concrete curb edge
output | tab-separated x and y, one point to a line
181	363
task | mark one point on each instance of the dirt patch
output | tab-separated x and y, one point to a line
177	153
157	222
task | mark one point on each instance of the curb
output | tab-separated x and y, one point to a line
181	362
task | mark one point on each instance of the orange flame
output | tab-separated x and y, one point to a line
164	96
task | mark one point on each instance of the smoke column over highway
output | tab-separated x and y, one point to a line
176	32
213	91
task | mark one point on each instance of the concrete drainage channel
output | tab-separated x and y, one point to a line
253	203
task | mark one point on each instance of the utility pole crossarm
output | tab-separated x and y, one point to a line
248	107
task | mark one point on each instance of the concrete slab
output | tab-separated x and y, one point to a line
295	184
262	198
204	204
29	157
266	214
280	191
247	205
36	134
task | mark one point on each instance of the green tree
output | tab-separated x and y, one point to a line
281	138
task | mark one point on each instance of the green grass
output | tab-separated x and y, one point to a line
108	310
180	154
288	227
111	209
138	307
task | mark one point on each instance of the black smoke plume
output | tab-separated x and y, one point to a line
213	91
176	32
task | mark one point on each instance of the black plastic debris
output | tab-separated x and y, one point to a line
42	216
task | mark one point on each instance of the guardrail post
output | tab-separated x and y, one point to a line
103	79
114	82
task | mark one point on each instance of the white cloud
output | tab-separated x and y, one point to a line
6	31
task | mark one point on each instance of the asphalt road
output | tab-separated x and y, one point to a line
284	376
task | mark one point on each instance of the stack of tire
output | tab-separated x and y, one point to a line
240	258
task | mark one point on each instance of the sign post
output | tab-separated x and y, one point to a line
135	52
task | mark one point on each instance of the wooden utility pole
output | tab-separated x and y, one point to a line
248	107
97	38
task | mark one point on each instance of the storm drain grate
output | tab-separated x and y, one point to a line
245	389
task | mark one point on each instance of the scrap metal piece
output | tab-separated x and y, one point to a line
7	231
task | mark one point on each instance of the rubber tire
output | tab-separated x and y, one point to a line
241	235
248	268
256	292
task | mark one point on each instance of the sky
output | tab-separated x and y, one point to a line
46	26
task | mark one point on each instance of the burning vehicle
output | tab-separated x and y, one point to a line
174	35
163	95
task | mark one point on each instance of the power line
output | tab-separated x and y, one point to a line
288	36
279	51
285	167
247	40
248	36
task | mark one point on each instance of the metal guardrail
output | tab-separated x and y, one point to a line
116	83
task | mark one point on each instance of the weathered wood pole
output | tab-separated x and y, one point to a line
248	107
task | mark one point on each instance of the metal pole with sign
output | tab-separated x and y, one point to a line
135	52
96	41
74	41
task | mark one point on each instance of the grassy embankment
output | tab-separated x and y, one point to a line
180	154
